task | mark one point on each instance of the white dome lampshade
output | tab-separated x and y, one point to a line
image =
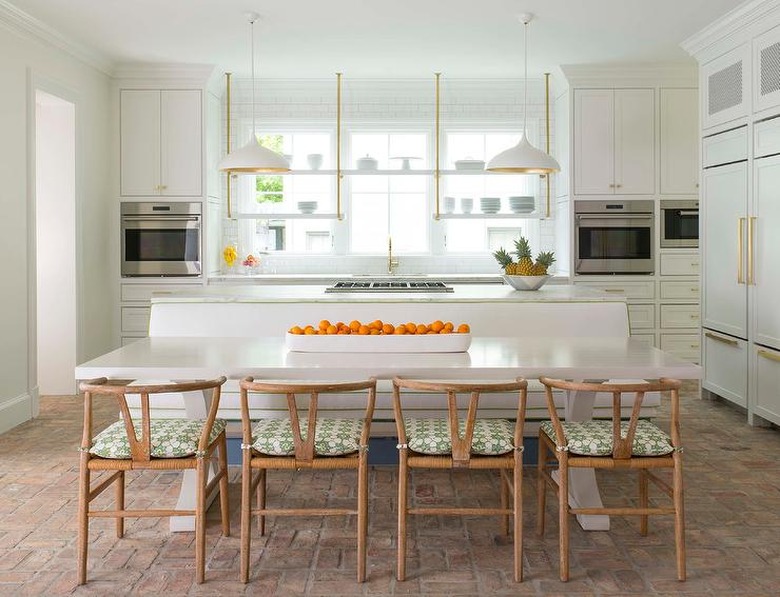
524	158
253	157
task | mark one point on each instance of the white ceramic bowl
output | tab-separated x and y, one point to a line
525	282
469	165
307	207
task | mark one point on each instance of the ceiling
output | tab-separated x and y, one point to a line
389	38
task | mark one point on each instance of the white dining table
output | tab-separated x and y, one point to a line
488	358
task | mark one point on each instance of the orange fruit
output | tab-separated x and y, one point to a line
296	330
445	331
374	332
437	326
388	328
332	329
464	328
448	326
376	324
321	332
354	325
411	327
400	330
363	330
309	330
421	329
324	324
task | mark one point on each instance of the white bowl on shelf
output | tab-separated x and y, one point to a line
307	207
469	164
525	282
490	205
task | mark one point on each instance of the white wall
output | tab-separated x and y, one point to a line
24	62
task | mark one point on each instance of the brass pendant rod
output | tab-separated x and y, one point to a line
547	123
436	173
227	135
338	147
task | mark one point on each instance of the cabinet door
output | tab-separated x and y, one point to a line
766	401
594	141
634	141
139	144
725	87
181	149
725	362
723	216
766	58
679	142
766	251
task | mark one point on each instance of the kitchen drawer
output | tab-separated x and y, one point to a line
685	346
648	339
766	403
725	362
143	292
766	138
130	339
725	148
135	319
680	290
680	264
632	290
680	316
641	317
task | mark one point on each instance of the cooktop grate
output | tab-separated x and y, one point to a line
389	286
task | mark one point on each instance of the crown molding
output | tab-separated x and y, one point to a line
659	74
28	26
735	25
169	71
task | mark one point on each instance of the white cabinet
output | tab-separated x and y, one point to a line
679	141
725	85
764	267
766	369
614	141
685	346
161	146
724	225
766	75
725	362
135	306
680	263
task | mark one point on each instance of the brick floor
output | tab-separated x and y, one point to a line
732	474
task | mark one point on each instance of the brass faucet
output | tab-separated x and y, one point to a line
391	263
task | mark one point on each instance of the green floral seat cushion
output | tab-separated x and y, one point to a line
171	438
432	436
594	438
333	437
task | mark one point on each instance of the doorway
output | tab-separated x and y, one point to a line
55	243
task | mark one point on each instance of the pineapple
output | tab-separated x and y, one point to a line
543	261
504	259
525	263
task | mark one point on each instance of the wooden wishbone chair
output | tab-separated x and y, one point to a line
295	443
150	444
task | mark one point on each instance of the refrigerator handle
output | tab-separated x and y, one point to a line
740	243
750	275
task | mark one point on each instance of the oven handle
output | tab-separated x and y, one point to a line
161	219
688	212
615	216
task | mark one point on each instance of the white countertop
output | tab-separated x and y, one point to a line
463	293
487	358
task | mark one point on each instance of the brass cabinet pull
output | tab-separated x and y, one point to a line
750	277
769	355
614	290
740	273
728	341
694	316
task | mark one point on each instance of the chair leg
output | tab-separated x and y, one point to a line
119	498
83	520
362	516
679	517
517	509
541	486
505	496
402	508
643	500
246	515
261	498
200	521
224	504
563	515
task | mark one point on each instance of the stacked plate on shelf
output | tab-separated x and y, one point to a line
490	205
307	207
522	205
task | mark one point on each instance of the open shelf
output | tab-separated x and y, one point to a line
498	216
288	216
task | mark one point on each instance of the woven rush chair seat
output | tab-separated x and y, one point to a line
303	441
333	437
171	438
614	444
594	438
461	441
432	436
146	443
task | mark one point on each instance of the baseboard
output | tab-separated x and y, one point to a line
16	411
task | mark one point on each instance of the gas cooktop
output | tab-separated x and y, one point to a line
389	286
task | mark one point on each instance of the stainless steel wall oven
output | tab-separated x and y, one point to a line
679	223
161	239
614	237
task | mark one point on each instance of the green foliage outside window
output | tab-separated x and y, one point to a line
269	187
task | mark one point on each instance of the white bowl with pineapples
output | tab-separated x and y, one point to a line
525	273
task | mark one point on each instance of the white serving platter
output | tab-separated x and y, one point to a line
381	343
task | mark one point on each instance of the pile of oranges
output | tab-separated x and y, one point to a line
378	327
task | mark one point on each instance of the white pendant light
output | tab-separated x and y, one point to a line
253	157
524	158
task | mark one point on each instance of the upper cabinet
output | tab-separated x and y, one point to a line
161	147
614	141
679	141
725	84
766	58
